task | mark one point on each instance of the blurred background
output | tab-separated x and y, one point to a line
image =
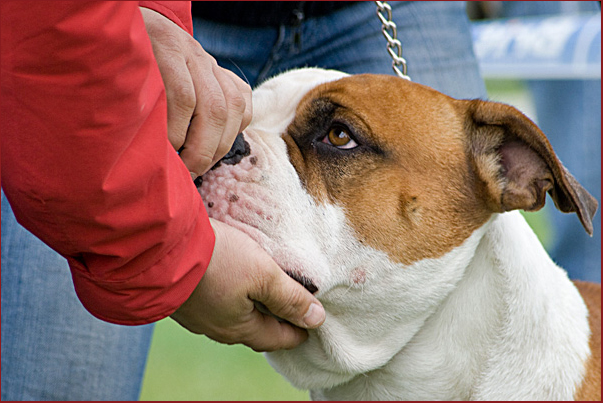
543	58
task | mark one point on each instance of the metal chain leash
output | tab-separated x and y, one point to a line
390	32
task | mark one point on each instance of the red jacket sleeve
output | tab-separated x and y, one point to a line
177	11
86	162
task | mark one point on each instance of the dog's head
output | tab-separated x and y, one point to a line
373	192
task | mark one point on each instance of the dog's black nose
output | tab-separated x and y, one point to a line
239	150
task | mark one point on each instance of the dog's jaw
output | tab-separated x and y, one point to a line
262	196
542	331
358	337
242	195
399	346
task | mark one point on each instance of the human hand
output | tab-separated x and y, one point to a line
207	105
241	272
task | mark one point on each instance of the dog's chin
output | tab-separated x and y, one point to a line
263	197
302	370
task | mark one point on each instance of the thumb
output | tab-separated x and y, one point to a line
289	300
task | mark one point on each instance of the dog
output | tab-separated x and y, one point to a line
398	207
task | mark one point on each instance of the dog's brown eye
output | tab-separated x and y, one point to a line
339	137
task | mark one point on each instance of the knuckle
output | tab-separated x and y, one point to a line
222	150
264	284
269	341
175	139
230	336
200	54
227	334
216	109
247	117
238	103
202	163
183	96
285	302
292	306
197	162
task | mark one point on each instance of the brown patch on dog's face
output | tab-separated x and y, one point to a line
403	177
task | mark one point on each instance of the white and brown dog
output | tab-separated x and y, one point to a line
392	202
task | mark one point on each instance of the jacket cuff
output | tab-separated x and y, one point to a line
177	11
151	295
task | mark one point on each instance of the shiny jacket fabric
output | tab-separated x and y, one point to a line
86	162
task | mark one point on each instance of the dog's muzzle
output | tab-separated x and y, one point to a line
239	150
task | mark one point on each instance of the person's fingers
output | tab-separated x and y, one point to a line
206	125
268	334
171	47
245	90
207	105
241	273
217	119
236	105
261	333
288	300
181	101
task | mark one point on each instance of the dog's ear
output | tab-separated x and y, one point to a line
516	165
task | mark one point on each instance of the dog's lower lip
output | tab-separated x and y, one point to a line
306	282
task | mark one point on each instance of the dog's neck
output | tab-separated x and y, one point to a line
494	322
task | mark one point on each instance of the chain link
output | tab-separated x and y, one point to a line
390	32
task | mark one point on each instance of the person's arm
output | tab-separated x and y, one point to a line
88	168
207	107
86	162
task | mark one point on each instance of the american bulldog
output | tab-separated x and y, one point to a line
397	206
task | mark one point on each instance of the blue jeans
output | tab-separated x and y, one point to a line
52	348
435	36
569	113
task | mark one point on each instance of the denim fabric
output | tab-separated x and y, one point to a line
569	113
52	348
435	36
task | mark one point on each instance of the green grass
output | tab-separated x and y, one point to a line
185	366
539	222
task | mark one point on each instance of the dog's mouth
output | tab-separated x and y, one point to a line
304	281
239	150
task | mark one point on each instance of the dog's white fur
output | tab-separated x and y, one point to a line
468	325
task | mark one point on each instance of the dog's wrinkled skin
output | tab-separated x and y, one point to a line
433	288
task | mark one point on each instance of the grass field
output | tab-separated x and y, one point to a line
183	366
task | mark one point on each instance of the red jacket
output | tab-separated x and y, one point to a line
86	162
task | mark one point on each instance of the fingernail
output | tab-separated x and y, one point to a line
315	316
